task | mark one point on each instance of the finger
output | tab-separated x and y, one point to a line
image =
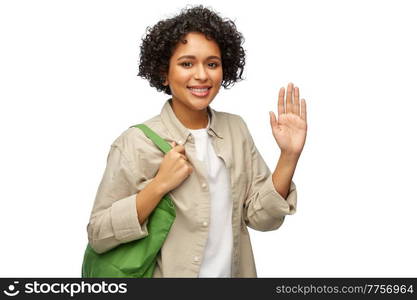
172	144
190	169
272	119
296	106
183	157
288	103
281	101
303	110
179	148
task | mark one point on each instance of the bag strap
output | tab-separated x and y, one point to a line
166	203
154	137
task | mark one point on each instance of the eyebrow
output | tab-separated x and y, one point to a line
193	57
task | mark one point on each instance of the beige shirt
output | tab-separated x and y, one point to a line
217	257
133	161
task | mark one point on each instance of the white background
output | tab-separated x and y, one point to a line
69	88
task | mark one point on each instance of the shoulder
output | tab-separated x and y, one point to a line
133	135
232	122
135	145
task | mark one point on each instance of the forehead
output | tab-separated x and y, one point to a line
197	45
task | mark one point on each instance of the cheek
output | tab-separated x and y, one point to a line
178	76
218	76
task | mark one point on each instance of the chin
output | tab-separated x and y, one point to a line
196	103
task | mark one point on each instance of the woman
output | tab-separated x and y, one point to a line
215	175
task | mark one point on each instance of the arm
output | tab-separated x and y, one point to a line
148	199
289	131
274	196
283	173
265	208
126	198
174	169
114	219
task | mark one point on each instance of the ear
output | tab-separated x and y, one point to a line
165	80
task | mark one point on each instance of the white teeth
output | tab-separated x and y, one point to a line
199	90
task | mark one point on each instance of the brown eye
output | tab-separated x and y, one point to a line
213	65
186	64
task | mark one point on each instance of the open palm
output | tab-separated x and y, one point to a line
290	129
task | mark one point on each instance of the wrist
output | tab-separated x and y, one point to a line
290	156
159	187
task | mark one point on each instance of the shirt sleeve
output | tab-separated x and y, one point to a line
114	219
264	208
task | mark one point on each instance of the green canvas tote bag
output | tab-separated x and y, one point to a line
137	258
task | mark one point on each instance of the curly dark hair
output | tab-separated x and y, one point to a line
160	40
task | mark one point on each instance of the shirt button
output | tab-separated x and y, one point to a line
196	259
204	185
205	224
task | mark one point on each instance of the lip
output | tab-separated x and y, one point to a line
199	94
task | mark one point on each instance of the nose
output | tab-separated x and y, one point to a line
200	73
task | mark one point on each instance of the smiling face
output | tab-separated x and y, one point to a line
195	73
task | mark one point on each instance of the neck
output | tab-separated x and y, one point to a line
192	119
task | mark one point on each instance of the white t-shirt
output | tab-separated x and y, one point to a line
217	260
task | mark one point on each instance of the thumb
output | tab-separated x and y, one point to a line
272	119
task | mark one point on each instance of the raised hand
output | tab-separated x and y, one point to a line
290	129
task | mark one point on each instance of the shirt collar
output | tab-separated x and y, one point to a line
179	132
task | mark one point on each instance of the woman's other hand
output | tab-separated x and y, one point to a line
290	129
174	168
